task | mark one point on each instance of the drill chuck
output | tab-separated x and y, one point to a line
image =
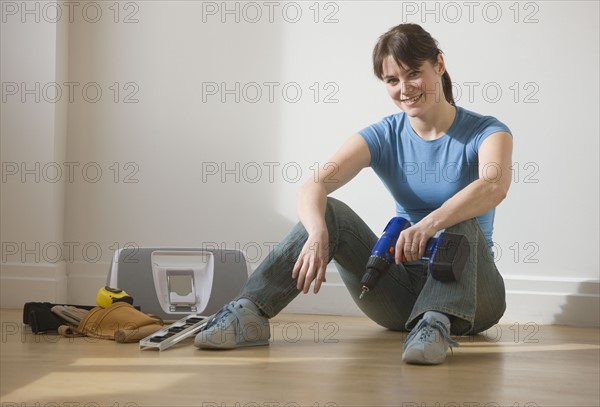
376	267
382	255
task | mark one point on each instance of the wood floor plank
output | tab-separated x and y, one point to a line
318	361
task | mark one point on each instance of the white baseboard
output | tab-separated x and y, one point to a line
32	282
552	300
85	279
541	300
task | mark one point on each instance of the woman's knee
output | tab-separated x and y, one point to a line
469	228
335	206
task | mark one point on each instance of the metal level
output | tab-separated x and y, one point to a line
174	333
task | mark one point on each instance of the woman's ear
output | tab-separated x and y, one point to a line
441	65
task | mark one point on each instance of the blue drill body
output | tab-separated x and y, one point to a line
386	245
446	254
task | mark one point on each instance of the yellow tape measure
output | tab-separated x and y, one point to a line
108	295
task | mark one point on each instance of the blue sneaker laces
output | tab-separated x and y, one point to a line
425	330
220	321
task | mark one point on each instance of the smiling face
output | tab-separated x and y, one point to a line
414	90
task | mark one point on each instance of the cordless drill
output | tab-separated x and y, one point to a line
447	255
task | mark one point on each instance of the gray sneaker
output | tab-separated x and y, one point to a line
428	342
233	327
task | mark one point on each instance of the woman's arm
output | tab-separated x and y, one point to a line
346	163
483	194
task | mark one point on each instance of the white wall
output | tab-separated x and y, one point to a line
34	58
172	143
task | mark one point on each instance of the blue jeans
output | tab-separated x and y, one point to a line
474	303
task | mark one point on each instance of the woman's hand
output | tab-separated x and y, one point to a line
412	242
353	156
312	262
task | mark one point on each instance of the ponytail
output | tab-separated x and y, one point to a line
447	88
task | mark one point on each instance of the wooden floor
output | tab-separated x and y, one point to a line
317	361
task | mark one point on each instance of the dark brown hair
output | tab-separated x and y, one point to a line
410	45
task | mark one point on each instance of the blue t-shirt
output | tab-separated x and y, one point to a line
422	174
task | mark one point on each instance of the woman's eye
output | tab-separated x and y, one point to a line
392	81
413	74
